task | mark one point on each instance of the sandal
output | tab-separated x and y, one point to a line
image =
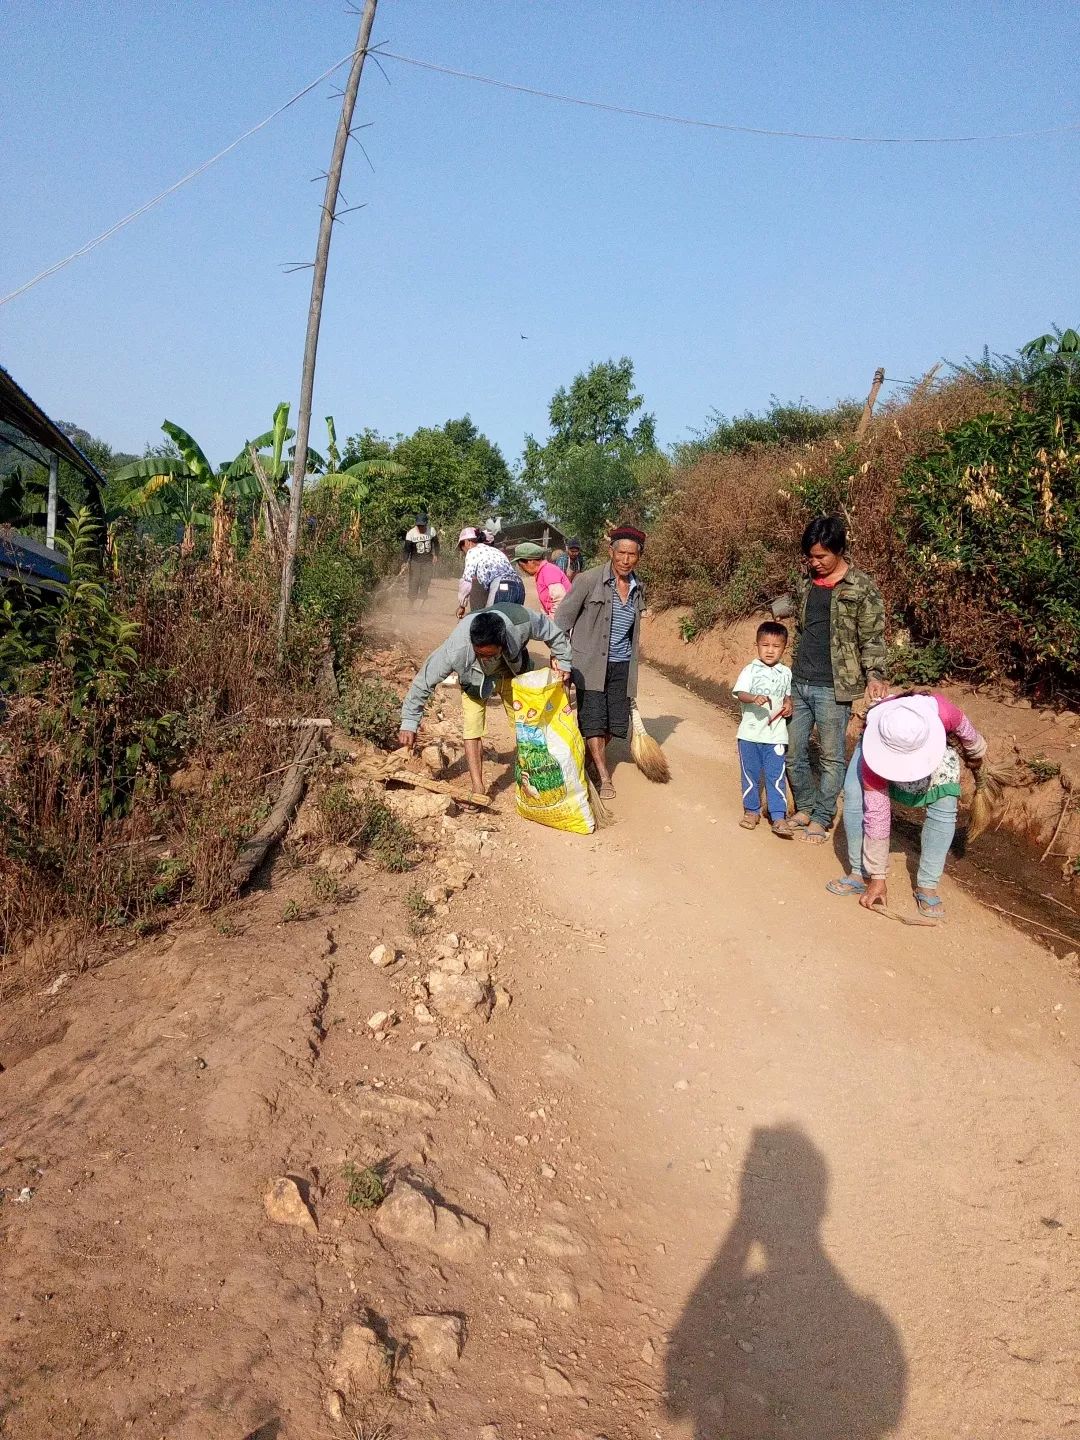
814	834
931	906
750	820
607	791
783	829
847	885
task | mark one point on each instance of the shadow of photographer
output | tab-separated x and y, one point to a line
773	1344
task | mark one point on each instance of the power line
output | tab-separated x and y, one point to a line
171	190
718	125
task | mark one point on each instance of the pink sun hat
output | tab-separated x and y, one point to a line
904	739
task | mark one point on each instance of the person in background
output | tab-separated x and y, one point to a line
839	654
419	555
603	612
488	577
763	689
486	650
574	561
905	755
558	557
551	584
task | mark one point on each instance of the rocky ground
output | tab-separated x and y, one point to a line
671	1143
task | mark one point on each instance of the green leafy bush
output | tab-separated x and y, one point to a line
371	709
990	527
919	664
366	822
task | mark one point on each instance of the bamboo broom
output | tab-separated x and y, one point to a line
646	752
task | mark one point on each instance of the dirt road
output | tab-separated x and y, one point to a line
856	1143
756	1165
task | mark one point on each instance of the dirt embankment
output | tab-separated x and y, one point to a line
1044	743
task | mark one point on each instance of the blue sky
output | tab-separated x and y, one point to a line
729	267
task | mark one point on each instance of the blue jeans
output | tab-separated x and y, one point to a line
507	592
816	705
758	758
939	827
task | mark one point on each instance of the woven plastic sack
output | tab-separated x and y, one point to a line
549	771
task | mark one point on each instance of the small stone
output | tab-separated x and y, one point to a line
745	1346
681	1085
381	1020
435	1341
286	1206
648	1353
455	1069
503	998
489	1432
547	1172
555	1382
422	1014
522	1141
995	1010
383	955
335	1405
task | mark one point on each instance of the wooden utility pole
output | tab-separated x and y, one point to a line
871	401
318	289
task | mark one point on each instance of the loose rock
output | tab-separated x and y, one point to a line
410	1215
286	1206
337	859
453	1067
458	996
383	955
362	1364
555	1382
435	1341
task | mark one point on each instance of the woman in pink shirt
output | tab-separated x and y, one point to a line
905	755
551	583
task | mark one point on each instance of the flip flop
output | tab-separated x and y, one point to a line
931	906
749	821
800	820
847	885
607	791
813	837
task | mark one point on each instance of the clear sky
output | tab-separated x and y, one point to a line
729	267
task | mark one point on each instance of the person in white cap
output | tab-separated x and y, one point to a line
905	755
496	580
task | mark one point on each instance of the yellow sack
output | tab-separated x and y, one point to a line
549	771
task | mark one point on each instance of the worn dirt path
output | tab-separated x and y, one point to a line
846	1151
755	1165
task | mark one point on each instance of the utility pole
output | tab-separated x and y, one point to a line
318	289
871	401
54	490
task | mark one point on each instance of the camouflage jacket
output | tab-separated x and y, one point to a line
857	632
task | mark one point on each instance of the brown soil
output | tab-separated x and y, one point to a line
814	1174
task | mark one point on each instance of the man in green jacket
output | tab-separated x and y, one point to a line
839	655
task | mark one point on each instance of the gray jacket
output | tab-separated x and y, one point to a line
457	656
586	612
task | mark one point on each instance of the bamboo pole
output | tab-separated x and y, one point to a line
318	290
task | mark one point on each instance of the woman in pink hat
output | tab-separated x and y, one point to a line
905	755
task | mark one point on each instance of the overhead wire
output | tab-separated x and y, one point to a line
717	124
171	189
519	89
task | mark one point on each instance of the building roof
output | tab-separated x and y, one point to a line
25	427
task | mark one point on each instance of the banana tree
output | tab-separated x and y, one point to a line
188	489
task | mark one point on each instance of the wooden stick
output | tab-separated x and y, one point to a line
254	851
321	723
1069	939
422	782
1066	802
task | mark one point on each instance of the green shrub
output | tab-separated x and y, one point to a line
918	664
366	822
371	709
990	527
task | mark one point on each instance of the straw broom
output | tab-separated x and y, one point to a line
646	752
989	780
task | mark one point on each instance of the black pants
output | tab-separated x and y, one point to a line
419	579
607	711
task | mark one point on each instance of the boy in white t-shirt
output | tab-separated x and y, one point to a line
763	689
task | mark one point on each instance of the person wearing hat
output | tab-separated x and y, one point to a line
551	584
910	752
603	614
489	576
485	651
419	555
571	563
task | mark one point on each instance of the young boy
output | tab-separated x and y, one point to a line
763	689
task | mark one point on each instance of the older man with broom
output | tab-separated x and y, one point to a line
603	615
